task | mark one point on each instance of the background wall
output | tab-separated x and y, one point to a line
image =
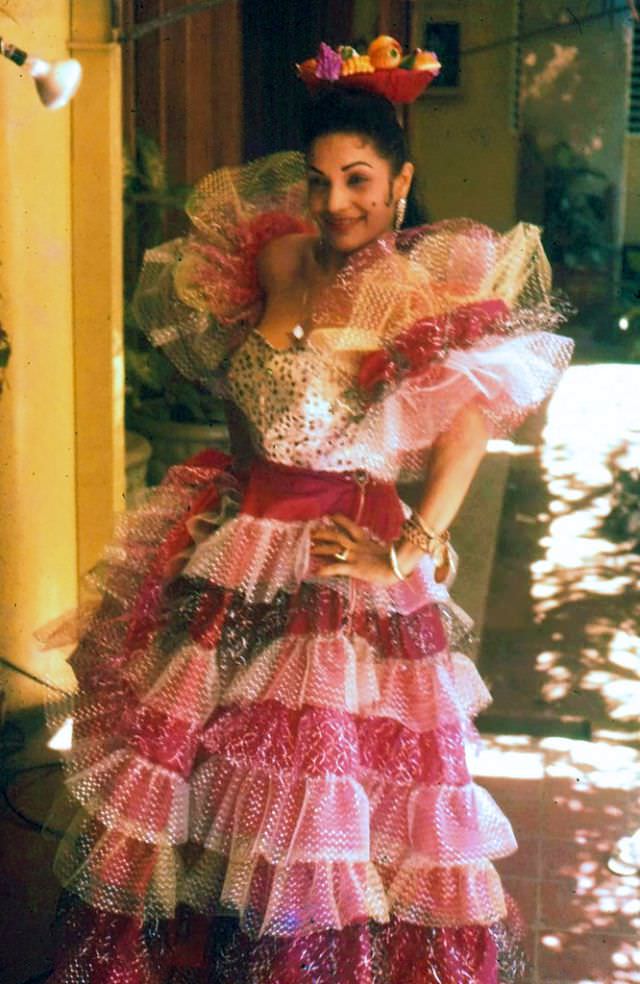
61	438
464	145
38	544
575	87
631	217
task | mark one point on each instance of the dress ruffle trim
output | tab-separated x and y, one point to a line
246	812
336	672
111	871
279	900
197	295
260	557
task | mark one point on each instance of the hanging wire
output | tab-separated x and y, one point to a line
608	9
31	676
164	20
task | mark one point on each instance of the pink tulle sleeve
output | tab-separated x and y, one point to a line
506	377
460	315
198	294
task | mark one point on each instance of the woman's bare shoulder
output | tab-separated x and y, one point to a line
282	259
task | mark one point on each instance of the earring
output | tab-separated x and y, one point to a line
401	208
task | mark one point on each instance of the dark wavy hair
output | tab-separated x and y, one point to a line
370	116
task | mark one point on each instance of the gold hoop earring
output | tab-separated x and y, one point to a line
401	208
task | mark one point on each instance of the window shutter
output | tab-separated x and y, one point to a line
517	66
634	93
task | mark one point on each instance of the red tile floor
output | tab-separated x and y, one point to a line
574	801
561	651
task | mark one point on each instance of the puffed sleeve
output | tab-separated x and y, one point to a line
197	295
460	314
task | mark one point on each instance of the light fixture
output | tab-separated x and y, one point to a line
57	82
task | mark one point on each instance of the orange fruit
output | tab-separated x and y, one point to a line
426	61
385	52
307	69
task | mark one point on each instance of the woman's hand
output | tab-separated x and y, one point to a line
353	553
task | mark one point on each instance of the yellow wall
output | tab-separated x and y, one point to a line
37	465
632	189
60	437
97	278
463	146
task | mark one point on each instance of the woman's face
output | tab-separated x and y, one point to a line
352	191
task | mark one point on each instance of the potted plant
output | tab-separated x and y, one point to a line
577	216
179	418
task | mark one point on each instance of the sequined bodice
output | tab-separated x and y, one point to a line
294	402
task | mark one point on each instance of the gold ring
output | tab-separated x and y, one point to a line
342	554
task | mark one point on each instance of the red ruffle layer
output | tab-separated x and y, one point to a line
319	741
103	948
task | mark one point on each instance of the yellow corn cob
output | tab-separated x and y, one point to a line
355	65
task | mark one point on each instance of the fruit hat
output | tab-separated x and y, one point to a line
384	69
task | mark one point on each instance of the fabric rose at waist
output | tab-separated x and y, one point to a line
298	494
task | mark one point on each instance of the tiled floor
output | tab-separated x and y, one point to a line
573	803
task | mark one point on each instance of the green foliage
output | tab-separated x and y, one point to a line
5	348
623	520
576	211
5	352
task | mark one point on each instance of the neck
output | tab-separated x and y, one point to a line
329	260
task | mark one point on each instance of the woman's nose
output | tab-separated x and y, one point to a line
336	198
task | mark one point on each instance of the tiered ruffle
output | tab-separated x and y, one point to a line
266	748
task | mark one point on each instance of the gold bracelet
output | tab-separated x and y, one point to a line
415	535
395	567
436	545
431	534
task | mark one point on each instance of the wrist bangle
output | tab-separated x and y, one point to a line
395	567
417	518
436	545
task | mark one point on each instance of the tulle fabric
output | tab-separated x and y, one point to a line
415	328
270	767
285	754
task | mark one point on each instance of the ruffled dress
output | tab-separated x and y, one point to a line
270	767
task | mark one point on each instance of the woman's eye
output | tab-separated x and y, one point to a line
315	182
356	179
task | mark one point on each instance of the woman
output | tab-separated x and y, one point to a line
270	740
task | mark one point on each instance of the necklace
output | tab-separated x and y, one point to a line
298	331
318	258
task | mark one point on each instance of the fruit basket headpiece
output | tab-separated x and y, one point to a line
384	69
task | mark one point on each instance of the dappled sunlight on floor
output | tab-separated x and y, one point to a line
566	642
570	802
561	643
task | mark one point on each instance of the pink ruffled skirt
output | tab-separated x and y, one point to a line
270	768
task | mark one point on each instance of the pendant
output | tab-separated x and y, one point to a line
297	333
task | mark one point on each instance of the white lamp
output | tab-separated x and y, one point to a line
57	82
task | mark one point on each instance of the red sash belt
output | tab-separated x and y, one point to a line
286	493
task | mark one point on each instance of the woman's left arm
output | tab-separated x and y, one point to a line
453	462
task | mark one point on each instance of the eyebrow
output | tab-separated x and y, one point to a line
345	168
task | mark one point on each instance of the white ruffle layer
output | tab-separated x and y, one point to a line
336	672
260	557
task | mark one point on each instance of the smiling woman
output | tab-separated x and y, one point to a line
353	194
273	711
